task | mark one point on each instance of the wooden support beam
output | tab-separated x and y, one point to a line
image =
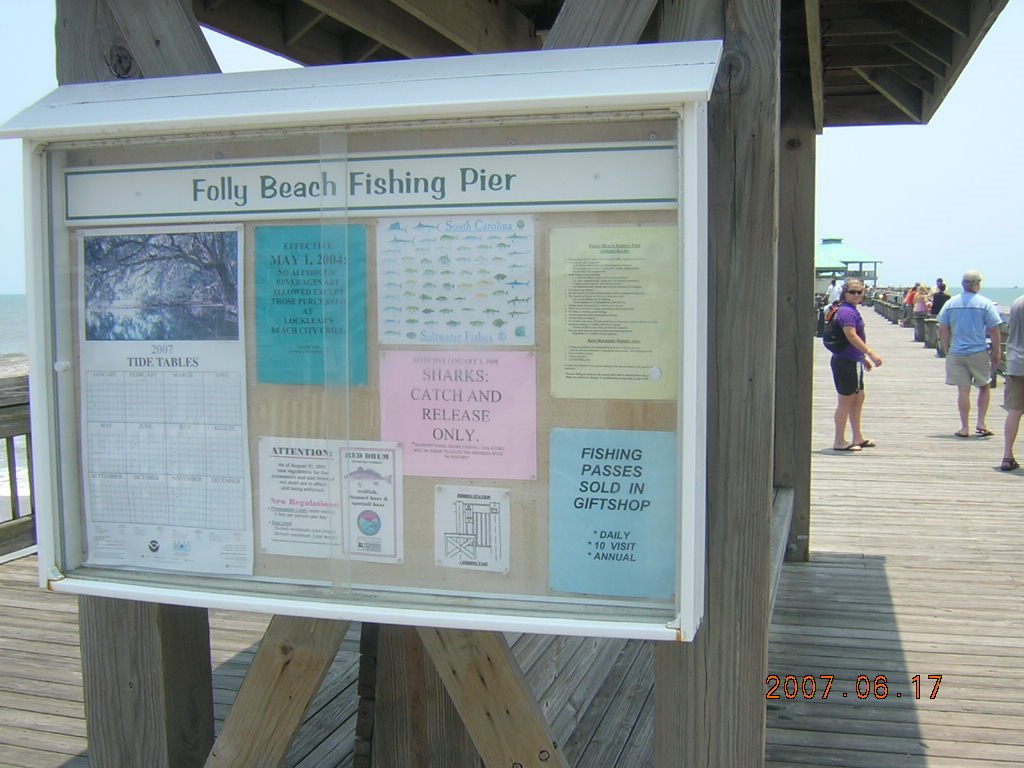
782	520
293	658
953	14
863	109
903	96
812	10
415	723
148	684
584	23
145	667
496	704
840	25
384	21
709	694
164	37
847	57
859	20
931	38
794	335
90	47
362	750
479	26
916	76
299	19
267	27
361	49
981	17
923	59
99	40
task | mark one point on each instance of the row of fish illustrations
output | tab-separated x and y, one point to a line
465	280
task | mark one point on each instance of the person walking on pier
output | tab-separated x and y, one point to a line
969	331
848	365
833	292
1013	392
908	304
939	297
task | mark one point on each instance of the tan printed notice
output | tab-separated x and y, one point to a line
614	312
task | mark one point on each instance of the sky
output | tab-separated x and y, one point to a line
925	200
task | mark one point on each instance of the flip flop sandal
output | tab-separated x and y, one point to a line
867	444
850	447
984	432
1009	465
960	434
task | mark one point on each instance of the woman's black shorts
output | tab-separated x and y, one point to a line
848	375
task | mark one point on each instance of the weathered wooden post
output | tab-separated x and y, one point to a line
919	327
146	667
931	333
794	342
709	694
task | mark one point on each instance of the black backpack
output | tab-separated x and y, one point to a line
833	336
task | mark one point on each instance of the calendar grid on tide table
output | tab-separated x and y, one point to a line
166	448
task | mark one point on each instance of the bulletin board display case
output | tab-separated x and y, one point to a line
439	366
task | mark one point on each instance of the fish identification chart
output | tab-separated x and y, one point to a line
459	281
165	458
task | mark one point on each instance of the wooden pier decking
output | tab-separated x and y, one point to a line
917	568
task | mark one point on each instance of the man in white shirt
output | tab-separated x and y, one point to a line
835	291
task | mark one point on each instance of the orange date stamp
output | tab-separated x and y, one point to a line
878	687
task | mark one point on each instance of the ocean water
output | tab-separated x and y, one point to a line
13	324
1004	296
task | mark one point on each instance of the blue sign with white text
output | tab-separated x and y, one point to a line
613	512
311	305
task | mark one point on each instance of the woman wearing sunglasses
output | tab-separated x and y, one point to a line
848	366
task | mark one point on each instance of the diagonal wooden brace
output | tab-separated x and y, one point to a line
497	706
285	675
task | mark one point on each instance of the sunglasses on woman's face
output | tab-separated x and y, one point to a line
855	293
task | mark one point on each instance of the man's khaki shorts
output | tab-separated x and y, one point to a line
965	370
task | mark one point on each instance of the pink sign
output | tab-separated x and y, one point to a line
461	414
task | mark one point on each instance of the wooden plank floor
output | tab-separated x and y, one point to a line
917	567
42	721
42	718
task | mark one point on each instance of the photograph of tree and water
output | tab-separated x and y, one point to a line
162	286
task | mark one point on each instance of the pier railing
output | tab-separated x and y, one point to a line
17	518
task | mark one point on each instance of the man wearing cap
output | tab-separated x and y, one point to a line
969	330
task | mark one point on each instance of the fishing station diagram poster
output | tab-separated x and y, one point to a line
456	281
165	458
472	527
614	312
613	512
469	414
311	305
